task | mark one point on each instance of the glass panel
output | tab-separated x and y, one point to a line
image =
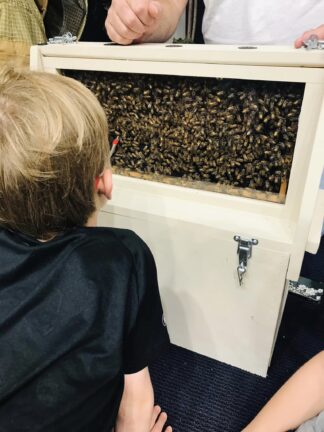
225	135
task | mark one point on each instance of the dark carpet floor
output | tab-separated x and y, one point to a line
203	395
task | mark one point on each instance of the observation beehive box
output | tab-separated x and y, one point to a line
217	168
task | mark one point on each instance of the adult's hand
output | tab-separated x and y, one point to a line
318	31
130	21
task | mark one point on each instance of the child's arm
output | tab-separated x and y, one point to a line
136	411
300	398
146	337
136	407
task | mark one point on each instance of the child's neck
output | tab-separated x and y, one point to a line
92	221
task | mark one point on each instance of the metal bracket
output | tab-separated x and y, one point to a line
306	289
66	38
244	250
313	43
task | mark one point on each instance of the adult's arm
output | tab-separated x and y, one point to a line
318	31
301	398
137	412
131	21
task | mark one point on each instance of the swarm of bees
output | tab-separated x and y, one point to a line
233	132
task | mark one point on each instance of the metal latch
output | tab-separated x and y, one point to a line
66	38
313	43
244	250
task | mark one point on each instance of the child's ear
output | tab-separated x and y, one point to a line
105	183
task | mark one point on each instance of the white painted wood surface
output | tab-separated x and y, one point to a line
206	309
191	231
206	54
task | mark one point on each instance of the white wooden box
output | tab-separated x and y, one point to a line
191	231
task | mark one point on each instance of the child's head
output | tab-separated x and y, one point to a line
53	144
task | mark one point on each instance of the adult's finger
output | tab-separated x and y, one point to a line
318	31
122	29
155	9
300	41
146	11
126	25
115	36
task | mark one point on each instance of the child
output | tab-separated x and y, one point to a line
298	402
80	312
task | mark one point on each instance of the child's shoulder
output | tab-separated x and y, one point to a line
89	247
123	244
122	237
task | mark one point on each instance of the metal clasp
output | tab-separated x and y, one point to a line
66	38
313	43
244	250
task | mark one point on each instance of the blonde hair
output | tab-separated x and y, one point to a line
53	143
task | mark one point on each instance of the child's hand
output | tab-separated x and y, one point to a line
158	420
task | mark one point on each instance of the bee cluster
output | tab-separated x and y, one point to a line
225	131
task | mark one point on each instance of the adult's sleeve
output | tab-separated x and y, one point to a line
146	333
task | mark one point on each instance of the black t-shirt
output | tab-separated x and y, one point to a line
76	314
